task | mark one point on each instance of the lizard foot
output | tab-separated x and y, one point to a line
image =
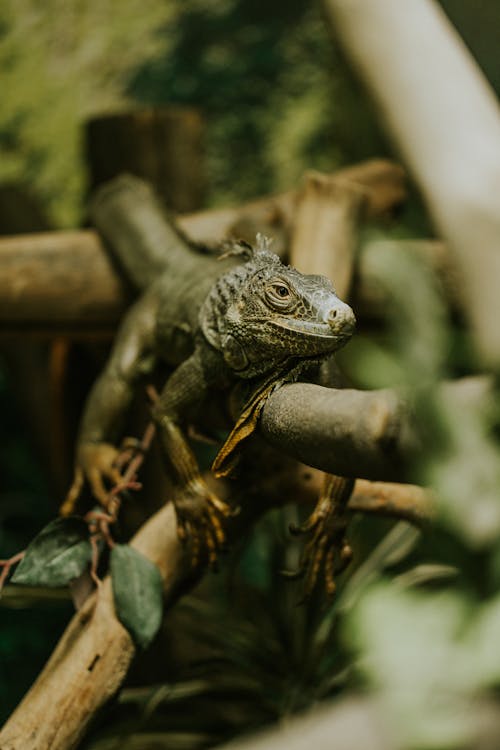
95	465
201	518
109	472
130	448
327	549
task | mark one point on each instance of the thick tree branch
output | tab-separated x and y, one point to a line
92	658
369	434
446	120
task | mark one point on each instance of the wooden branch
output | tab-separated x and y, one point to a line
382	180
65	281
324	238
407	502
92	658
449	134
56	280
368	434
303	484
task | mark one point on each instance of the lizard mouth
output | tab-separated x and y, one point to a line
310	328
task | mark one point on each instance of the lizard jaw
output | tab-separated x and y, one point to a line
313	328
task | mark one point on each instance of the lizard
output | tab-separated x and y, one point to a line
246	322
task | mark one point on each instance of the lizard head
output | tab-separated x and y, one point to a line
262	313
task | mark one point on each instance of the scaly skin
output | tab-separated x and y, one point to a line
247	319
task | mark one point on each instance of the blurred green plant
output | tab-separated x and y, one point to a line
61	61
276	94
430	656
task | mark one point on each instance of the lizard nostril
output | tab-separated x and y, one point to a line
341	317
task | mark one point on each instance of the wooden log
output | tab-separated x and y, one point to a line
368	434
65	281
61	280
383	181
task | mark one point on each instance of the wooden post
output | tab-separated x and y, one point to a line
324	240
163	146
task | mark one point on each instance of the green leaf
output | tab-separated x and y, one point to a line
57	555
137	591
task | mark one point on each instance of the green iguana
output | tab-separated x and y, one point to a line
246	319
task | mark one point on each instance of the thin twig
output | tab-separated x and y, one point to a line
6	566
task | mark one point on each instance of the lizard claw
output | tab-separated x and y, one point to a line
130	447
327	552
303	528
293	575
201	517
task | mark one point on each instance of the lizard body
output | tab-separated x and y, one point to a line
247	319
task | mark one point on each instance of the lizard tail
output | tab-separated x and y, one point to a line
142	237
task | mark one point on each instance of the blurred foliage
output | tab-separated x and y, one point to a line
298	107
60	62
276	95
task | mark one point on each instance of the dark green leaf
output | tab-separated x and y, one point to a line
57	555
137	590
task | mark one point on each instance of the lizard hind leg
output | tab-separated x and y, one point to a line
201	515
327	552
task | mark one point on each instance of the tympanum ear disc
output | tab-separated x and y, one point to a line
234	355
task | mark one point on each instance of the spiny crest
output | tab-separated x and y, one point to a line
260	254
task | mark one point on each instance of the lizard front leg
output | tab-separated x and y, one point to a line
200	513
97	455
327	548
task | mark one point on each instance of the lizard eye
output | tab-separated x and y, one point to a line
281	291
279	295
